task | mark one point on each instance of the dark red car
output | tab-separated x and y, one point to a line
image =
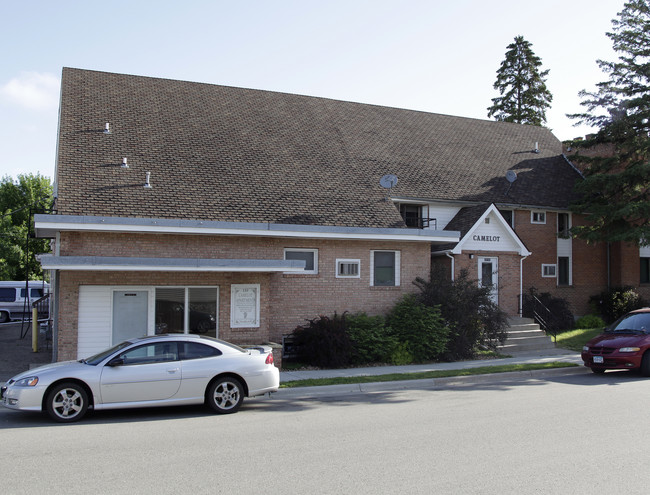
625	345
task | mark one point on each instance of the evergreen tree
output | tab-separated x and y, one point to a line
28	194
524	95
614	195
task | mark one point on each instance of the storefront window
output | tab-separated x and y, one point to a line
200	317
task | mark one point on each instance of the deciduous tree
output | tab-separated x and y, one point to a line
19	199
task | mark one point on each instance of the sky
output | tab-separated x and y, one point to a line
429	55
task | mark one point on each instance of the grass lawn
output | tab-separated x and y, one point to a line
575	339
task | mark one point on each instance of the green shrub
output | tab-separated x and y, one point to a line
420	327
372	341
324	342
615	302
473	318
590	321
401	355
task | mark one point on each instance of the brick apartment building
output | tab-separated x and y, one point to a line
187	207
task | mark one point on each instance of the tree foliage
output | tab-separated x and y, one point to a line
614	195
522	86
19	200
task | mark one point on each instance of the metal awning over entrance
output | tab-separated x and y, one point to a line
108	263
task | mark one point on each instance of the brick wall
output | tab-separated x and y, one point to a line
508	275
287	300
589	261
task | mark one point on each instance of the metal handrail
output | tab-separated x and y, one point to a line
544	316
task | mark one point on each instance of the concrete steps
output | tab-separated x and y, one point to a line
525	337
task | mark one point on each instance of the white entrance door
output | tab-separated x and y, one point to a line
488	276
129	314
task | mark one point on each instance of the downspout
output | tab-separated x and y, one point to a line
609	267
521	285
452	265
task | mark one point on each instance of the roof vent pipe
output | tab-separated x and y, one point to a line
124	164
147	184
107	128
536	150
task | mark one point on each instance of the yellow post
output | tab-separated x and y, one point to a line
35	329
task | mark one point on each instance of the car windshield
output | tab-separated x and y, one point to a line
632	323
98	358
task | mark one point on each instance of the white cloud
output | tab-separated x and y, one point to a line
33	90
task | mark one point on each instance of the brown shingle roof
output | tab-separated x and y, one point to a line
232	154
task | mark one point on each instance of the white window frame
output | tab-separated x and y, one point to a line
342	261
397	273
538	213
304	250
547	267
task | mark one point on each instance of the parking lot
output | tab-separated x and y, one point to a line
16	353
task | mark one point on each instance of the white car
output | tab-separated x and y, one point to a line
161	370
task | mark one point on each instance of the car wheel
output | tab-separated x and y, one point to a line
225	395
645	364
203	326
4	317
598	371
67	402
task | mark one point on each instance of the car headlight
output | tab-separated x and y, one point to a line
585	348
30	381
629	349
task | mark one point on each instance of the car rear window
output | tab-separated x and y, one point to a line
194	350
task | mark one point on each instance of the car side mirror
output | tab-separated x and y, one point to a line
118	361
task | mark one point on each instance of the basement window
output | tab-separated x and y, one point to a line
538	217
549	271
348	269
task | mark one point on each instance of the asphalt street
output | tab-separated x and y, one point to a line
572	432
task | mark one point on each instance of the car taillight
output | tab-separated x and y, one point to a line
269	358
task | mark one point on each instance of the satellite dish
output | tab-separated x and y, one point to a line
511	176
388	181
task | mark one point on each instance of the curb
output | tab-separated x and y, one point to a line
421	384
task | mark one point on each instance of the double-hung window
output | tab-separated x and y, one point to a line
563	270
385	268
645	270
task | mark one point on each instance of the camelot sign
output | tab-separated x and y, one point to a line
486	238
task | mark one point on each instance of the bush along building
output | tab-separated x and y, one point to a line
237	213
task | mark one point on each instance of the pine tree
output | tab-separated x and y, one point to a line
524	95
615	194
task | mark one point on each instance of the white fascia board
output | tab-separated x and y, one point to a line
458	249
107	263
48	225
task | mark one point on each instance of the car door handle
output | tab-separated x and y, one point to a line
173	370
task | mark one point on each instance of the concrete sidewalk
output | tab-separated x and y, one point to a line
425	384
522	358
